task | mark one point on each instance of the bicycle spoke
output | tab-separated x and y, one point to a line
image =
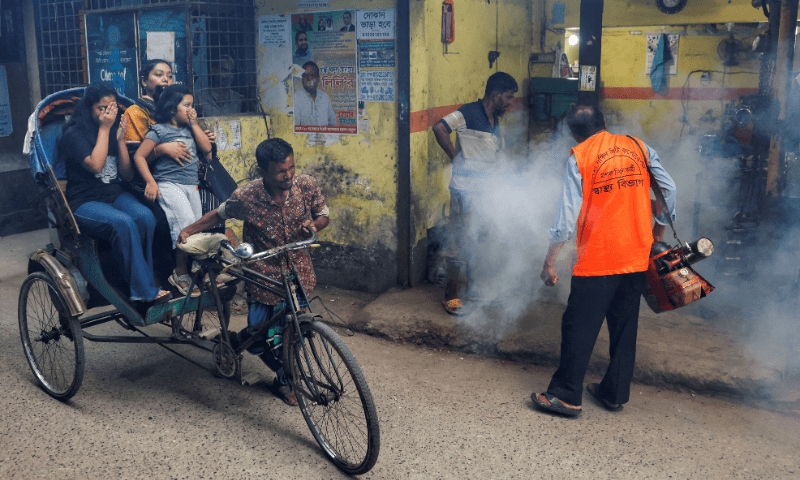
342	415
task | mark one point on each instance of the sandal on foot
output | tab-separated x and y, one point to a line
594	390
162	297
176	281
554	405
284	392
454	307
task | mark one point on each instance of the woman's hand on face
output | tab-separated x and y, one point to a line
123	129
192	114
151	191
109	116
177	151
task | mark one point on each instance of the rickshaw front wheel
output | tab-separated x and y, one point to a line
52	339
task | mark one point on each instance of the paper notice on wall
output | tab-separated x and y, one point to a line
313	3
376	53
5	105
161	45
222	137
236	135
588	78
274	30
375	24
376	85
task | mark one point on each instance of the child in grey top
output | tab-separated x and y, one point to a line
173	182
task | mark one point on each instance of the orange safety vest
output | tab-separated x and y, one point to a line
614	231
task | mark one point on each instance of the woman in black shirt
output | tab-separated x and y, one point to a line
93	149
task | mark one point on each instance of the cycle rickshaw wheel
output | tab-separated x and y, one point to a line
344	420
51	338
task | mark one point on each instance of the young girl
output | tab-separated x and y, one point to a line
174	183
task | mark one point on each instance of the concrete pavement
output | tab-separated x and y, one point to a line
679	350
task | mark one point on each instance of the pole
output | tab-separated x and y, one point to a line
589	50
781	87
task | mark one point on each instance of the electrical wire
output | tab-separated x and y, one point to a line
684	90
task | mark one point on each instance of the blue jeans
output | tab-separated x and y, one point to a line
128	226
263	347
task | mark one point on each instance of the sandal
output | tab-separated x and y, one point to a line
284	392
162	297
176	281
555	405
594	390
454	307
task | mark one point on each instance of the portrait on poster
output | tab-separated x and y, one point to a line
325	87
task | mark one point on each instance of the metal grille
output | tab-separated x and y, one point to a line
222	42
224	51
62	61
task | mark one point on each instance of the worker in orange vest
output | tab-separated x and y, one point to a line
606	201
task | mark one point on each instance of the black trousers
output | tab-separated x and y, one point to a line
591	299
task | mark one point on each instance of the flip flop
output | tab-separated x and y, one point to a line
284	392
594	390
555	405
454	307
163	297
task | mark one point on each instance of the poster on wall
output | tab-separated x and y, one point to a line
163	32
588	78
111	51
375	24
652	45
377	85
324	90
376	55
273	30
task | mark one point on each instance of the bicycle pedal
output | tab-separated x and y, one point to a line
209	333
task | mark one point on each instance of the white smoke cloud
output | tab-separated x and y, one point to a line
756	298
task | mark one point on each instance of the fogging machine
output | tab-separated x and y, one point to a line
671	280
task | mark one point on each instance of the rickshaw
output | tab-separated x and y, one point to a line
72	277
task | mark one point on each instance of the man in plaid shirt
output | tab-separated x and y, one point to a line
277	209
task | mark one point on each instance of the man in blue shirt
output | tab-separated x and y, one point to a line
479	139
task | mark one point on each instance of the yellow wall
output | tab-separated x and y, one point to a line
357	172
440	79
623	61
660	118
617	13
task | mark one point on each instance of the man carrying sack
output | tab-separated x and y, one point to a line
606	199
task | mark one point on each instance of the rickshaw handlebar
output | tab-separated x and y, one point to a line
244	252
